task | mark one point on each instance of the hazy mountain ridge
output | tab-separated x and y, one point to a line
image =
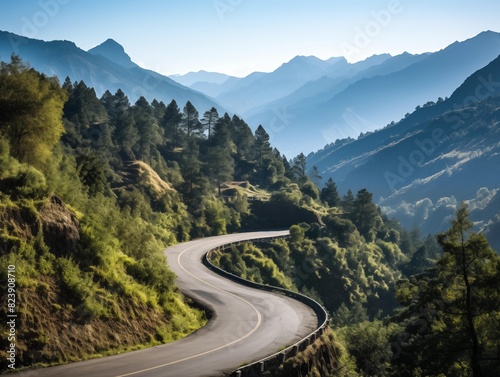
192	78
334	99
420	168
371	103
114	52
105	67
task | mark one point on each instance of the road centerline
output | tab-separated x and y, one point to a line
254	329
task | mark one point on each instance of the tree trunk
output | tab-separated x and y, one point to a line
476	367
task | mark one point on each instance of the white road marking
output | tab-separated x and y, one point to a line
259	321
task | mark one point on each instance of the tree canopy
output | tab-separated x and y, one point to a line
30	111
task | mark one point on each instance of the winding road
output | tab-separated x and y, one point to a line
247	324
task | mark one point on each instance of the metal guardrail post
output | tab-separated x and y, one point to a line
295	348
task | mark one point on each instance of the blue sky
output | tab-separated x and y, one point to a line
241	36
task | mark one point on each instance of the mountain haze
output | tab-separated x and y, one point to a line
104	67
260	88
342	109
114	52
192	78
423	166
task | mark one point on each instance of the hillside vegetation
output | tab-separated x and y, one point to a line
400	305
92	189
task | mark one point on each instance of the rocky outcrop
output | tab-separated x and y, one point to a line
52	219
319	359
61	228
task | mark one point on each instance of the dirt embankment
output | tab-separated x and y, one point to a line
50	329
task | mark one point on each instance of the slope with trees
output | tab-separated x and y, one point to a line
106	184
92	189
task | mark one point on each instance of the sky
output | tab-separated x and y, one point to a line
238	37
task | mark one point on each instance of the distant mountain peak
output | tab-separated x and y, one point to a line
111	43
114	52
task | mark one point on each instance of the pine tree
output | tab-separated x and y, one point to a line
468	263
146	126
190	121
315	176
171	125
243	138
191	166
31	108
330	194
365	213
300	168
220	161
210	117
453	310
262	145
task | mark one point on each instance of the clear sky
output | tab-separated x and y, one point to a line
238	37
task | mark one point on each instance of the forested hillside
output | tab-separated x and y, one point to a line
423	166
400	305
92	189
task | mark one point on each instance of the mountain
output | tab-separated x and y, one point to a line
347	108
322	89
213	89
421	167
104	67
259	88
114	52
210	83
191	78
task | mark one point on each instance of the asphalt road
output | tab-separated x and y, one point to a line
247	324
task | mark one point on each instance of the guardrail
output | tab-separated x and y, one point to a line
273	361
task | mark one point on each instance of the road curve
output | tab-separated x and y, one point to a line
247	324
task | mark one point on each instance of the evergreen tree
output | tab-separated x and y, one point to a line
262	146
147	129
220	162
31	108
83	108
330	194
365	213
453	311
243	139
210	117
469	263
171	124
191	166
121	119
300	168
315	176
159	109
190	121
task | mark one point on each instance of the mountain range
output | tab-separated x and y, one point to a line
419	131
329	99
104	67
421	167
333	99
